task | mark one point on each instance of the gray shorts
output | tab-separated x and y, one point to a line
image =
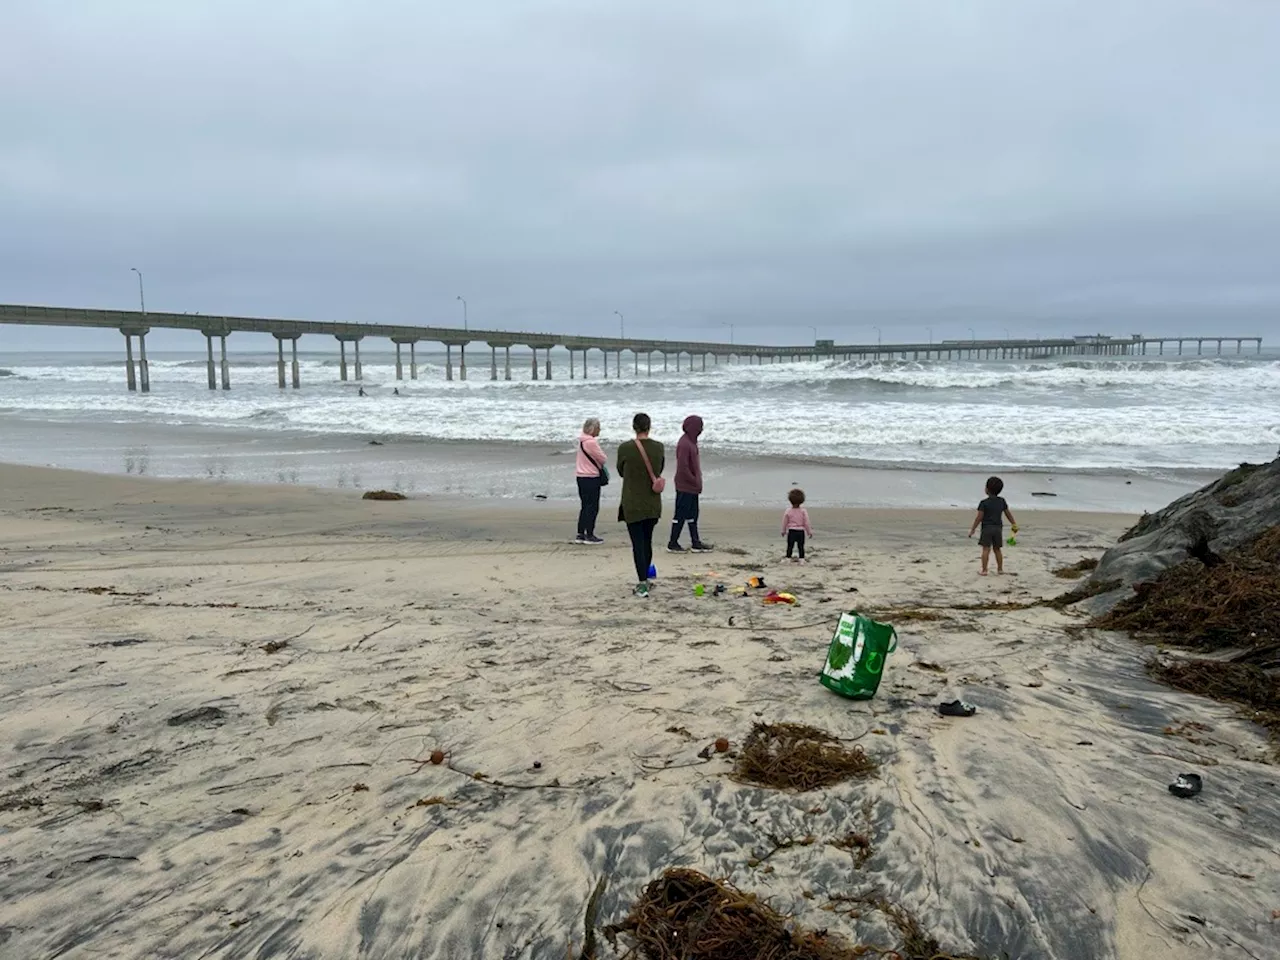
991	536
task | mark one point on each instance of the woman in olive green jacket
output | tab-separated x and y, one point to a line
641	506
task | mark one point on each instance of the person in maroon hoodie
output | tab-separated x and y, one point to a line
688	487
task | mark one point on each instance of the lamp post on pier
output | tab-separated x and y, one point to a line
142	297
622	325
464	312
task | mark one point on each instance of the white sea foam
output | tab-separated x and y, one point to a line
1074	413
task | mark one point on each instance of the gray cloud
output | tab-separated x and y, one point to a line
897	163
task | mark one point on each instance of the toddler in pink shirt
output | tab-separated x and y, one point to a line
795	525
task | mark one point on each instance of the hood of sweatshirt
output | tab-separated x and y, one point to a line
692	428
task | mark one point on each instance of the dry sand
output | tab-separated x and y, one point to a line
175	786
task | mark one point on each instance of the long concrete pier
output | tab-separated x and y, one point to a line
137	324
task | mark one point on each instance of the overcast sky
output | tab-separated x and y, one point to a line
1030	164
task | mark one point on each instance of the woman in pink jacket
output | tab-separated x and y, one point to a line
592	475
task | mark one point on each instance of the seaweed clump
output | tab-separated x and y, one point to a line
383	495
685	915
1235	601
1076	570
793	756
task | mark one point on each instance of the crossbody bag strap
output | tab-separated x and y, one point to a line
653	477
598	466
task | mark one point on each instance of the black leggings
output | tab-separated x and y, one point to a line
795	538
589	495
641	533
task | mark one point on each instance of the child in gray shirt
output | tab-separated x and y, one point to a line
988	518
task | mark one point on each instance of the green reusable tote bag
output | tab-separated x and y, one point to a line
856	658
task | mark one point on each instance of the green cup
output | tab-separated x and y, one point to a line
699	590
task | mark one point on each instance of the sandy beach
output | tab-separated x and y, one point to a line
218	705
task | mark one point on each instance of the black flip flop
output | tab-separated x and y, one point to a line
958	708
1187	785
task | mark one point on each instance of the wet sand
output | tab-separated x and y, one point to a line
218	704
512	471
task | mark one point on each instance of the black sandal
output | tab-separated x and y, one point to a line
1187	785
958	708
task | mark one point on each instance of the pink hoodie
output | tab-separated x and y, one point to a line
796	518
585	468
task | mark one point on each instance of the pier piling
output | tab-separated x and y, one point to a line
296	377
130	375
144	368
213	375
226	367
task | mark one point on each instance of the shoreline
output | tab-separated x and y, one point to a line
511	472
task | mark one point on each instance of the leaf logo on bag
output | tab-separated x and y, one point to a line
841	653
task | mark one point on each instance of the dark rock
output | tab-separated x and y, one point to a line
1200	551
383	495
1228	513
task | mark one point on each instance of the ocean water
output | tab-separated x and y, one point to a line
1155	416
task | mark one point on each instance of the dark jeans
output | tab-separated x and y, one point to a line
686	510
795	538
641	533
589	495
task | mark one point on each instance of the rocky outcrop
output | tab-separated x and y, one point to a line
1228	513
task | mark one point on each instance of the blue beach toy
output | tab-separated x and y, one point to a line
653	572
